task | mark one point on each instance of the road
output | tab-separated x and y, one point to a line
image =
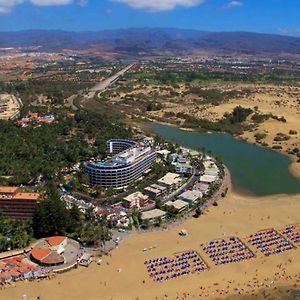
189	183
101	86
71	104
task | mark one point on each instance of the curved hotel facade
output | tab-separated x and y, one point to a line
117	145
132	160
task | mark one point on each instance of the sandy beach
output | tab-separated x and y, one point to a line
123	275
295	169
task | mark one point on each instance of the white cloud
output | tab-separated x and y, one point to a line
108	11
159	5
233	4
7	5
83	2
50	2
289	31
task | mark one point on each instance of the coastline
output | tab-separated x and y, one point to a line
123	274
294	167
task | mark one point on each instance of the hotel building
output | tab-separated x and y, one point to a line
130	162
17	204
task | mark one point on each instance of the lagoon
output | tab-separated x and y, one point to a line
254	170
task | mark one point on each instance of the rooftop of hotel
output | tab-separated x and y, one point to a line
26	196
137	151
8	189
14	193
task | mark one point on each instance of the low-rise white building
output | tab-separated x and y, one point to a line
153	215
170	181
190	196
208	178
155	191
177	206
165	153
202	187
136	200
210	168
183	168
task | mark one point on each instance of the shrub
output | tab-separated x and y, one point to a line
257	118
293	132
240	114
281	137
260	136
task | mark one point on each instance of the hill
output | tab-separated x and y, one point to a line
147	41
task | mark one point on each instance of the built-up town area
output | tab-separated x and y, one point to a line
136	183
154	184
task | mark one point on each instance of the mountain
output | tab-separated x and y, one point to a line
149	41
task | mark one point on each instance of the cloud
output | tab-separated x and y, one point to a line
7	5
289	31
50	2
234	4
83	3
159	5
108	11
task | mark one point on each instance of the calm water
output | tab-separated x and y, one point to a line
254	170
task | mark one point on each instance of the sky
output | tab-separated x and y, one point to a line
268	16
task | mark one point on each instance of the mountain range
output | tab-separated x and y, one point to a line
154	41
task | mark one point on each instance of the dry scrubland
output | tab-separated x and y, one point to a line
12	106
280	101
124	276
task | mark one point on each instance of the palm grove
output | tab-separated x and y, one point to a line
43	152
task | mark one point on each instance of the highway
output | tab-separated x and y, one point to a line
101	86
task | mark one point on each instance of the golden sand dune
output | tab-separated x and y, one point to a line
124	275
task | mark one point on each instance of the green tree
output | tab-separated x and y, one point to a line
75	220
50	218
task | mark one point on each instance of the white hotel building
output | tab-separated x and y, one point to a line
123	168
